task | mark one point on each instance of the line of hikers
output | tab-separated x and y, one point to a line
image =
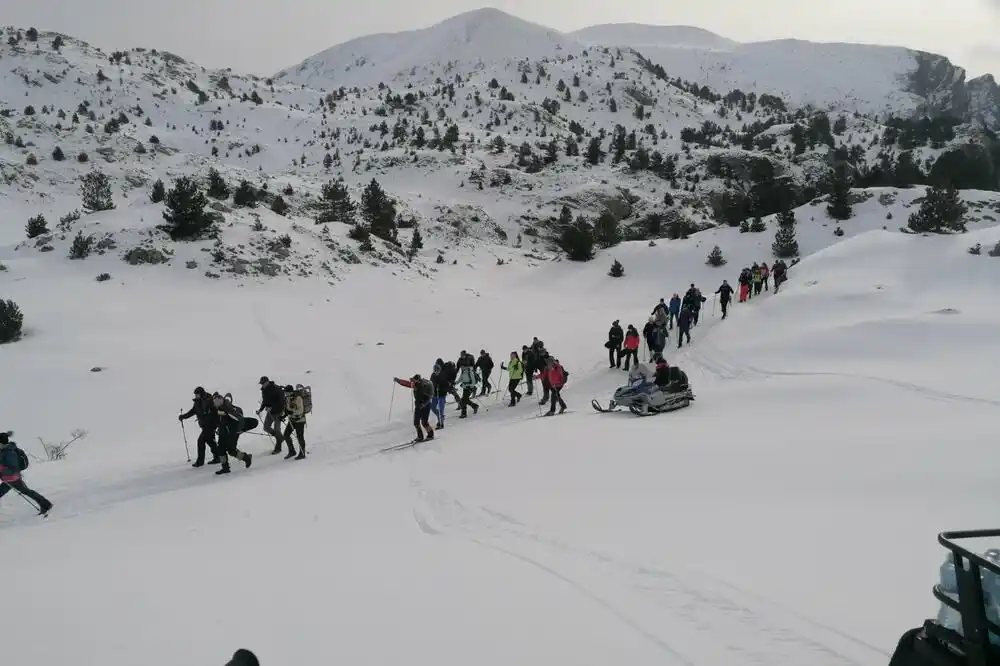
471	374
685	313
218	416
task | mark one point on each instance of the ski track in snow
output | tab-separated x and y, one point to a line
718	364
725	621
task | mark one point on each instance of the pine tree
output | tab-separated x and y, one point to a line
58	155
185	210
786	218
81	246
158	193
245	195
327	161
95	191
279	206
416	243
577	241
217	187
715	257
941	211
839	207
378	212
11	321
36	227
606	231
617	270
594	152
785	246
336	205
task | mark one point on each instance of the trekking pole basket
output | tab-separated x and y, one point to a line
974	643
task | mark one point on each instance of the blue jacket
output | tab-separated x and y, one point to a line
675	305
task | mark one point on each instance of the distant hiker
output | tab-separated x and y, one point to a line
467	381
272	399
530	360
231	426
556	377
693	300
442	387
765	273
485	366
616	338
631	346
675	309
515	371
725	293
13	461
295	408
780	273
647	331
744	285
208	421
658	339
449	374
543	363
423	393
756	279
660	315
661	307
684	320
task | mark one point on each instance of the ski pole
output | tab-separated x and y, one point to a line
30	503
713	306
503	391
391	399
186	449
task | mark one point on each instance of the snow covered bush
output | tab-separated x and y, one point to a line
36	227
715	257
81	247
104	277
758	226
95	191
58	451
11	321
158	193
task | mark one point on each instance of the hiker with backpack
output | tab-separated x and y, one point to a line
423	394
468	381
555	379
516	373
296	407
208	421
485	366
231	426
13	461
272	399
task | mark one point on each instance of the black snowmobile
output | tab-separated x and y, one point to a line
643	397
969	606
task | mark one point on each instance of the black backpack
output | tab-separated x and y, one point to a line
22	458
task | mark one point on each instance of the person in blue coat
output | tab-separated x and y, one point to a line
674	309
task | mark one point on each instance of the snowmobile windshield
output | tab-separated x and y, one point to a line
639	375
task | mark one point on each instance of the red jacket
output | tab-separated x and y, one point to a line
632	341
555	376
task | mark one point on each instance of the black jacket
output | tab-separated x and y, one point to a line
272	398
530	360
485	363
230	420
449	372
205	411
725	293
616	336
442	383
684	319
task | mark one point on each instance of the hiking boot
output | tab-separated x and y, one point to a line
430	436
463	416
291	454
475	409
215	460
198	463
301	456
277	450
222	470
44	508
247	459
562	409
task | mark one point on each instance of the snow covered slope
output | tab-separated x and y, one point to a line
730	532
483	36
866	78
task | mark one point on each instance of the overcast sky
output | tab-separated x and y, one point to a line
264	36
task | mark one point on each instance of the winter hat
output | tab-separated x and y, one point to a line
289	389
4	437
264	380
614	323
200	391
243	658
415	378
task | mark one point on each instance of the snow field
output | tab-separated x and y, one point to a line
788	516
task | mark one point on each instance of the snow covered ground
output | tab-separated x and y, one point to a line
787	517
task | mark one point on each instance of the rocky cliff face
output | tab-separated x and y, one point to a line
946	92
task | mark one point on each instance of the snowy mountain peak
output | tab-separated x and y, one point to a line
639	34
481	36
